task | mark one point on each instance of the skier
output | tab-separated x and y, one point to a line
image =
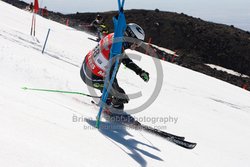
30	7
94	67
100	27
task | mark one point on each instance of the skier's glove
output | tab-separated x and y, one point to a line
144	75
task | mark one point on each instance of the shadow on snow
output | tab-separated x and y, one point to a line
116	134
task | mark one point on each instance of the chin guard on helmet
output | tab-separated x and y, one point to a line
129	42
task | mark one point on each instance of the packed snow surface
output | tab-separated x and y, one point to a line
54	129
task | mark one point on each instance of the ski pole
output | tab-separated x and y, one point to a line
59	91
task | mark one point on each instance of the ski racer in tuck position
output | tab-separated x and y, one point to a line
96	62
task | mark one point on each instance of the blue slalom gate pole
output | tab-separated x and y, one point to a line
46	41
116	49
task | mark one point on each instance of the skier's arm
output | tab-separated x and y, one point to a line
94	24
131	65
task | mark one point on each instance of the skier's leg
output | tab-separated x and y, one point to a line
97	83
119	96
99	35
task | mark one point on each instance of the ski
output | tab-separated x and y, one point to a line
153	130
178	140
129	121
161	133
96	40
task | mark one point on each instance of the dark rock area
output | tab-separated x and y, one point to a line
197	42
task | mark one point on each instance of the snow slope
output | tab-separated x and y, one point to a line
39	128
